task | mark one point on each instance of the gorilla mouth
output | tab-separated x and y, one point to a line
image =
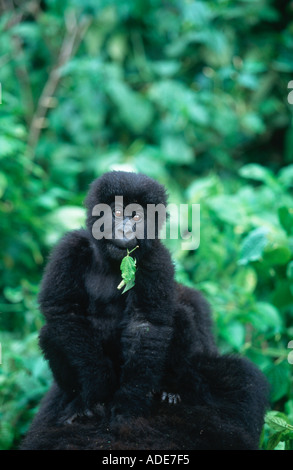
115	251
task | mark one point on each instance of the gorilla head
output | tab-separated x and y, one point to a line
125	210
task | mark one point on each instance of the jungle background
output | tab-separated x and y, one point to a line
196	94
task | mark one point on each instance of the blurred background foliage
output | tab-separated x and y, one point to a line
192	93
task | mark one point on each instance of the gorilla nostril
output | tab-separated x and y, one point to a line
129	234
128	229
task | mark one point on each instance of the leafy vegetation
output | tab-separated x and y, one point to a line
192	93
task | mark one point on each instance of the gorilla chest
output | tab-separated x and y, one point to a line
104	299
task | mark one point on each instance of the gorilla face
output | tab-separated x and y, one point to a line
118	212
127	225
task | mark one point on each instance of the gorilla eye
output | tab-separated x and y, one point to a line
118	213
136	217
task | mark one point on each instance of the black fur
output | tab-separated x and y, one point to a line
112	355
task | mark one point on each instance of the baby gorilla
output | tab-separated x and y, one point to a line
119	357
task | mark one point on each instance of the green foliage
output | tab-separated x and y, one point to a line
191	93
128	270
280	431
24	378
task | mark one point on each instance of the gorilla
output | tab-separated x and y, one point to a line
139	369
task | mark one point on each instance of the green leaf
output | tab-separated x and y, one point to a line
180	102
165	68
202	188
128	286
278	376
234	334
274	440
7	435
228	208
290	270
278	422
279	255
253	246
13	295
3	183
257	172
176	151
8	146
133	108
128	270
246	278
266	317
286	218
282	296
285	176
253	123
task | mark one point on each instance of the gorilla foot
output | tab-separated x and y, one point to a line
171	398
70	416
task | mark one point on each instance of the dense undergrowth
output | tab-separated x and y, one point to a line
195	94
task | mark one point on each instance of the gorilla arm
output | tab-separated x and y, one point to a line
147	332
71	345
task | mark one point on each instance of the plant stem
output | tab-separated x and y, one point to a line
128	252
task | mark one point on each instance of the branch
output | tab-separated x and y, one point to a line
74	34
23	79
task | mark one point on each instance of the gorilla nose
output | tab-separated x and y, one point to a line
125	237
128	231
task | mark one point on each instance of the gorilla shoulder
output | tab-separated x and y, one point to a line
74	245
